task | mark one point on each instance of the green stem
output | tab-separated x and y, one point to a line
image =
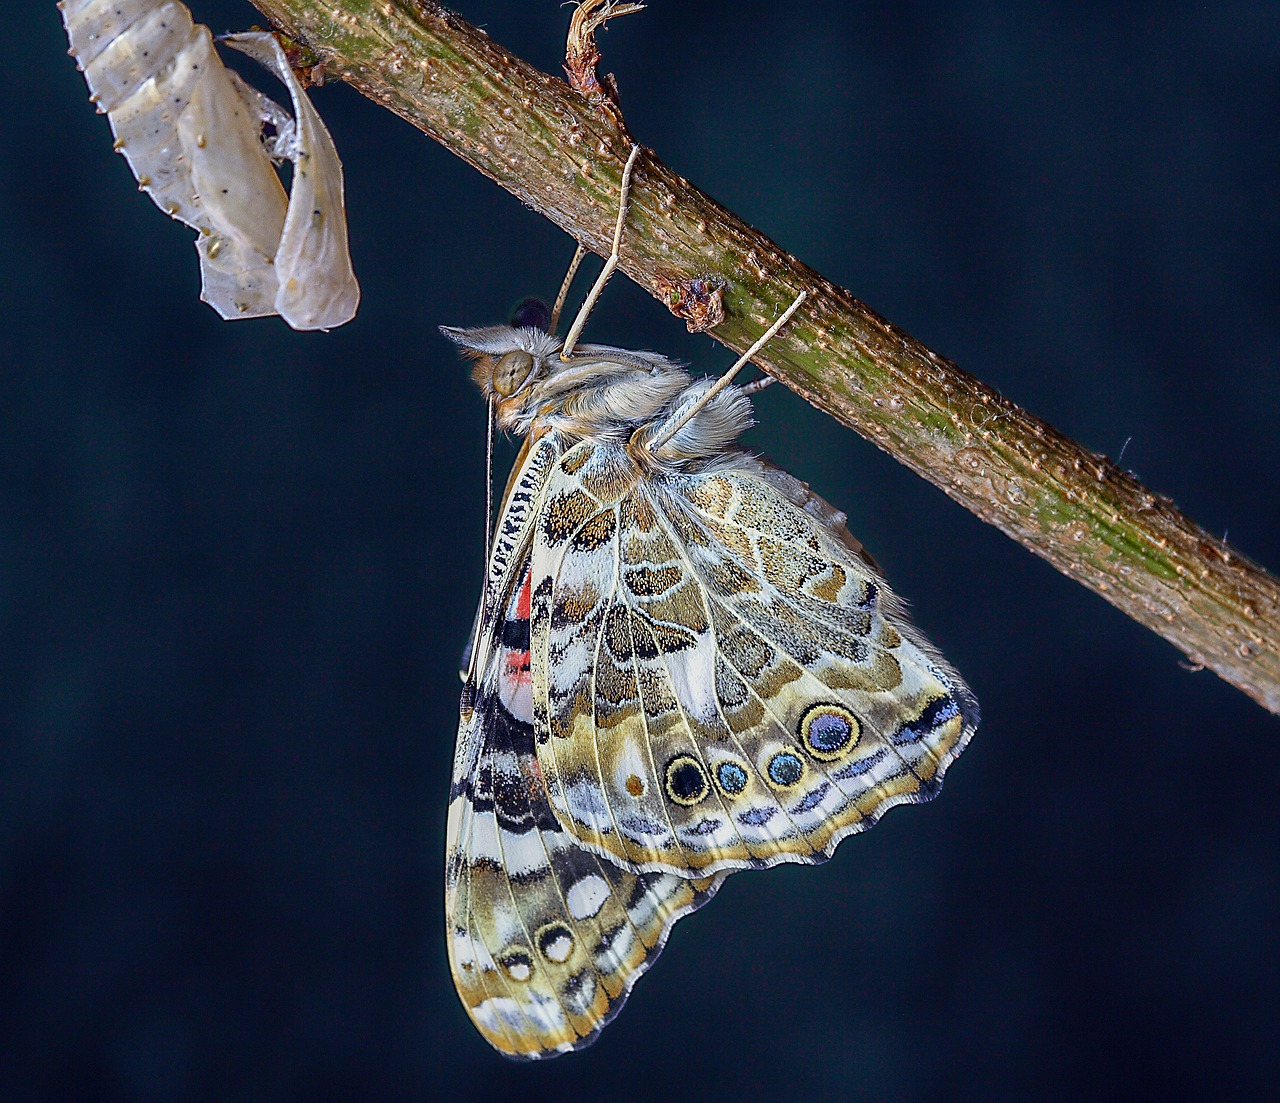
563	157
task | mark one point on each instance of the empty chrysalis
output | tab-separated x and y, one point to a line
193	133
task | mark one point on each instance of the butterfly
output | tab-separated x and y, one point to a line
683	665
195	135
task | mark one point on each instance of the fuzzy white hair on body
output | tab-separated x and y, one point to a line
609	394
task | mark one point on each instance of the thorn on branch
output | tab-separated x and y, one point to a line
582	56
699	301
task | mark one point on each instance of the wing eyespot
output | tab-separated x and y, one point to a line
686	780
829	731
785	769
731	777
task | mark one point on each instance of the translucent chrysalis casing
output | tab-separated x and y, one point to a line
192	132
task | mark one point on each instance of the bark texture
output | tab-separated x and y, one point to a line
562	155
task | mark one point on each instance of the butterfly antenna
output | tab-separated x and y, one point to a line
720	384
578	253
611	262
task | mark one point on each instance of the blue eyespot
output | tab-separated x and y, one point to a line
829	730
785	768
732	777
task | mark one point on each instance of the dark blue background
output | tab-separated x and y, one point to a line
237	566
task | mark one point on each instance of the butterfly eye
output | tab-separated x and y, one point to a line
531	313
511	371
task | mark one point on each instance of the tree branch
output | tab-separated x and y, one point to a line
563	156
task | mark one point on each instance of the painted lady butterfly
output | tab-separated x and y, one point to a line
683	665
193	134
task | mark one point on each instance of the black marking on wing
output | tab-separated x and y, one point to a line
936	712
515	633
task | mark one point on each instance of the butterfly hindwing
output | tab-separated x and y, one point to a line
720	679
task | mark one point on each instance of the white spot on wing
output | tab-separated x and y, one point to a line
516	693
693	678
523	854
559	948
482	842
587	896
586	804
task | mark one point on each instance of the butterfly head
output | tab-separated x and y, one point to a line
509	360
597	390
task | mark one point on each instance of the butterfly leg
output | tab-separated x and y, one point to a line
719	385
578	253
611	262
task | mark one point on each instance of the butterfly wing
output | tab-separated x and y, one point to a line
545	938
721	679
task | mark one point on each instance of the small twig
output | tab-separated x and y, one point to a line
558	154
582	56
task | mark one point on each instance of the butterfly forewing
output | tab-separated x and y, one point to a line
545	938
